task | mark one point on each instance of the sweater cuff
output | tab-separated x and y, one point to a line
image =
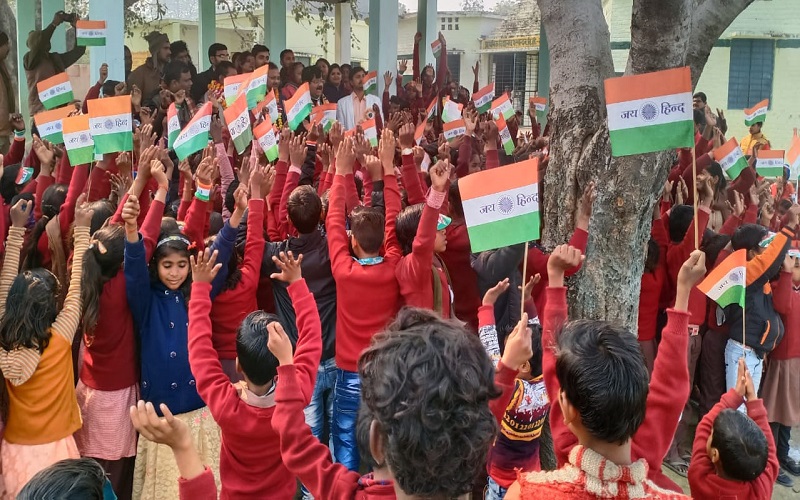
731	399
558	293
288	389
755	408
504	375
295	170
201	288
298	288
486	315
705	209
435	198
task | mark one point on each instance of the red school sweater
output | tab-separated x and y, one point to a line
677	255
230	307
367	296
703	479
415	270
652	284
787	303
537	264
669	389
457	258
250	461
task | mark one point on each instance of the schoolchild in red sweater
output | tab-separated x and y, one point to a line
668	386
250	460
426	416
592	361
359	275
421	233
734	454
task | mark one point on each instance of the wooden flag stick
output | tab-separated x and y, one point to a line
524	281
696	191
744	328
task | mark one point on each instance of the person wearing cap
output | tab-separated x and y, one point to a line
41	64
147	77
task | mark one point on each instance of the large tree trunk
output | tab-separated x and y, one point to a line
664	34
8	25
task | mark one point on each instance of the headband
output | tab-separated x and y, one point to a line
176	237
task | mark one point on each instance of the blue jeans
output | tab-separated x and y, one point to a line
493	491
755	365
346	399
320	408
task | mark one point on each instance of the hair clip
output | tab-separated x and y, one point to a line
99	245
192	246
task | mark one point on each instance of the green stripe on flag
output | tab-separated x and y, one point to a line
733	295
758	118
485	108
737	168
242	140
641	140
58	100
113	143
770	171
81	156
296	120
91	42
57	138
272	153
504	232
191	146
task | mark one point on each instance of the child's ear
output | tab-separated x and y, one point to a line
714	455
238	366
525	367
376	443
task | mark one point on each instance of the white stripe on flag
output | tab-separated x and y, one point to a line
114	124
650	111
502	205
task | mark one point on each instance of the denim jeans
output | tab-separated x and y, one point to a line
346	399
320	408
493	491
755	365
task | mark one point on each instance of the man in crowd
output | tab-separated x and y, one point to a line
261	55
217	53
287	61
40	64
180	52
147	77
7	97
352	110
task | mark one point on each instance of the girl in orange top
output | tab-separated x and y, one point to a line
36	356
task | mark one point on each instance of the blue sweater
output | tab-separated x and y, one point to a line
161	318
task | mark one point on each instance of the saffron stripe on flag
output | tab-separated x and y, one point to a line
648	85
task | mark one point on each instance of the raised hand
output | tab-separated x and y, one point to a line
279	343
17	122
406	136
136	97
83	214
297	151
494	293
168	430
527	290
204	266
345	157
387	80
519	345
159	173
403	66
440	174
103	74
21	213
130	212
289	266
386	150
336	135
563	258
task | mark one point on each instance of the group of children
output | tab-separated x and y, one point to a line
337	287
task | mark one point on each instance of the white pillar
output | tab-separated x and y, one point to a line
383	19
427	24
207	31
113	54
275	28
58	42
342	31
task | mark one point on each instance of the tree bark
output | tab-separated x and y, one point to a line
8	25
664	34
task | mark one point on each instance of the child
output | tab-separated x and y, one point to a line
600	380
69	479
426	389
517	445
421	233
250	460
36	356
362	273
157	297
734	454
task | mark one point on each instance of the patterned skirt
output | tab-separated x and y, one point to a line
780	391
20	462
107	431
156	474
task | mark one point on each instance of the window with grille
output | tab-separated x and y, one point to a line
751	72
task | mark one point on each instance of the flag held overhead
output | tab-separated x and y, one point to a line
55	91
730	158
769	163
756	114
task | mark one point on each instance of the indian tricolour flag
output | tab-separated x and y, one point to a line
727	282
451	110
232	85
505	135
371	82
173	125
55	91
90	33
483	98
238	118
256	86
49	124
194	135
502	106
454	129
112	124
298	107
419	132
370	132
270	104
501	205
267	138
324	114
650	112
431	110
730	158
436	48
793	158
757	113
78	139
769	163
540	104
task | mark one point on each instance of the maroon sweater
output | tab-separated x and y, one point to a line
250	461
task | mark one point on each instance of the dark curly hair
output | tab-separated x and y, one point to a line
427	383
31	309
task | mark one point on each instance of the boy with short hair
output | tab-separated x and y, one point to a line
250	460
734	454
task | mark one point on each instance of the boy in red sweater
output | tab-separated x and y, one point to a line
250	460
613	445
362	274
426	416
734	454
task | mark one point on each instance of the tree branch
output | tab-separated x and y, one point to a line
659	35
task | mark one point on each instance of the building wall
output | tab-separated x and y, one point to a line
767	19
